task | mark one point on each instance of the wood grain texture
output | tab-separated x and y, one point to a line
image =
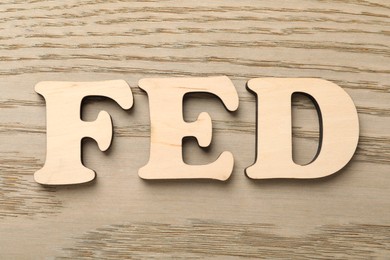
119	215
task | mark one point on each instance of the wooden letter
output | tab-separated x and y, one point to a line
168	127
65	129
339	126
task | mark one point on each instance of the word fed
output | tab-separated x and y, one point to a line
339	127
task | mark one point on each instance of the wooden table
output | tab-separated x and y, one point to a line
119	215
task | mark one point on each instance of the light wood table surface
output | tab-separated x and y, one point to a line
119	215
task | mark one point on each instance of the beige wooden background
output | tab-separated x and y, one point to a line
119	215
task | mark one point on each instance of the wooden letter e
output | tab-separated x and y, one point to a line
168	127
